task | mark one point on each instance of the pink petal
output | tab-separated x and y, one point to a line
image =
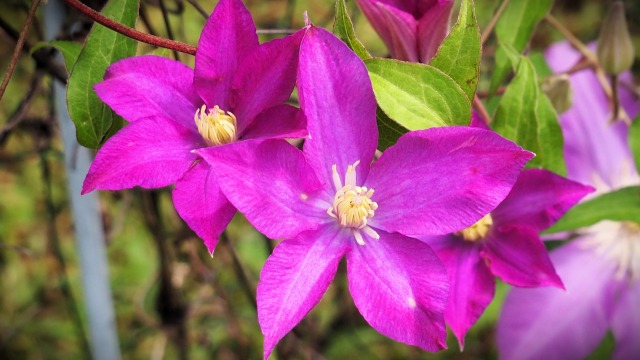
337	99
625	322
227	38
201	204
271	183
400	288
265	78
150	153
441	180
549	323
282	121
145	87
517	255
402	30
294	278
471	284
538	199
433	27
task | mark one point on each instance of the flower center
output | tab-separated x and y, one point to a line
618	242
216	126
478	230
352	204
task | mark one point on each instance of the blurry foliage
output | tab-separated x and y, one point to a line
37	317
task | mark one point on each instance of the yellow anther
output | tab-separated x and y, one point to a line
216	126
478	230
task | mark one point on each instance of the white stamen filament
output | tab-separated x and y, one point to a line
216	126
352	205
618	242
477	231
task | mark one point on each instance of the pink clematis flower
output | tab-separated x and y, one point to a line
600	268
235	93
412	29
330	201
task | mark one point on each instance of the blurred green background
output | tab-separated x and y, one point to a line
208	312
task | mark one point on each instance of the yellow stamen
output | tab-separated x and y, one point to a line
352	205
478	230
216	126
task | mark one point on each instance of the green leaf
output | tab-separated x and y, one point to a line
634	141
515	28
526	116
418	96
619	205
389	130
93	118
343	28
460	53
69	50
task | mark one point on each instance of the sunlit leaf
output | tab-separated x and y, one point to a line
343	28
619	205
94	119
460	53
417	96
515	28
634	141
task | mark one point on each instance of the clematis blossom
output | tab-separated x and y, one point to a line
412	29
329	201
236	92
600	268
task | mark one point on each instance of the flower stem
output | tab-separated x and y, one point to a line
492	23
129	32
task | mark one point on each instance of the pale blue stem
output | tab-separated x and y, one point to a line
90	239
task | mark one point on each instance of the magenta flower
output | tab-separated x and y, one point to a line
235	93
504	243
601	268
331	201
412	29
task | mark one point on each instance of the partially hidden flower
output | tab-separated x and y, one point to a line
236	92
412	29
330	201
600	269
504	243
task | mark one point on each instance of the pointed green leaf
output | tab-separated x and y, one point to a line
619	205
634	141
526	116
460	53
93	118
417	96
515	28
69	50
390	131
343	28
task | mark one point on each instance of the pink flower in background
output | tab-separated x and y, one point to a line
236	92
505	243
601	268
412	29
331	201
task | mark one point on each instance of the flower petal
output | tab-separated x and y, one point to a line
265	78
229	35
145	87
282	121
538	199
595	150
337	99
294	278
625	322
150	153
400	288
432	28
517	255
441	180
271	183
471	283
549	323
402	29
200	203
